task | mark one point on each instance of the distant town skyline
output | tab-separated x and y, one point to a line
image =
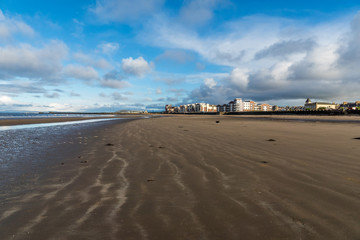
109	55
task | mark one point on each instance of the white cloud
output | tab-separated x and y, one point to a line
81	72
108	48
199	12
138	67
210	82
119	97
113	83
5	99
92	60
272	58
10	26
239	78
158	91
30	62
125	11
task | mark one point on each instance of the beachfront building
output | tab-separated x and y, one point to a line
205	107
169	109
191	108
238	105
313	106
265	107
249	106
350	106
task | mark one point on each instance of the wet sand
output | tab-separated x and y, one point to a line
22	121
192	178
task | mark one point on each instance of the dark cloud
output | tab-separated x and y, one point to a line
178	56
171	80
349	52
58	90
52	95
229	56
22	105
119	97
74	94
114	79
285	48
21	88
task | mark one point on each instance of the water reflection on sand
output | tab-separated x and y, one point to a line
26	126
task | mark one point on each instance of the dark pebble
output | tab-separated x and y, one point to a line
271	140
358	138
263	161
150	180
217	121
109	144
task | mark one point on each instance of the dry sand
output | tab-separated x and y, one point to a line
193	178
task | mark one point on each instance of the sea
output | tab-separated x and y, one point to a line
27	115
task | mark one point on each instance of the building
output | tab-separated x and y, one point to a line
169	109
350	106
238	105
205	107
264	107
249	106
314	106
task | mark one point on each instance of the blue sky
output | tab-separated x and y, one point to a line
108	55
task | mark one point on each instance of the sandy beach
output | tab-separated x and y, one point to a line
189	177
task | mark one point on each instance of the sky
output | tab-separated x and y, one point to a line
110	55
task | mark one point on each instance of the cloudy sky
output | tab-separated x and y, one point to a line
107	55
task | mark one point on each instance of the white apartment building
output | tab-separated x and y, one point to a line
249	106
205	107
238	104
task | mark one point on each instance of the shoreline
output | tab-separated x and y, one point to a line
25	121
192	178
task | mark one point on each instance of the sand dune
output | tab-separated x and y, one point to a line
193	178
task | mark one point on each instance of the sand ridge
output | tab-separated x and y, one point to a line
192	178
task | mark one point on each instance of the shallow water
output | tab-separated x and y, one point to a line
26	150
26	126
